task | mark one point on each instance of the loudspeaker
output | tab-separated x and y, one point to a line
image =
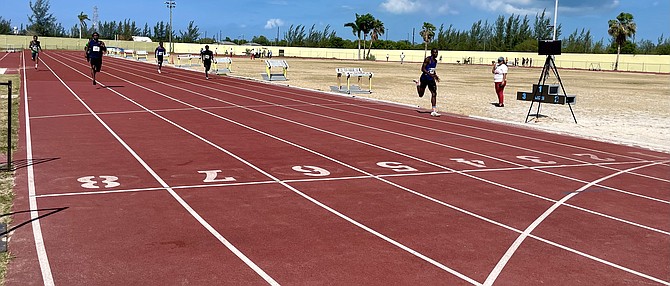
549	47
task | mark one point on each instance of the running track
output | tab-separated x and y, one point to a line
165	179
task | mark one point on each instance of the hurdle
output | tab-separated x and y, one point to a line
226	65
186	60
10	49
128	53
270	70
141	55
349	73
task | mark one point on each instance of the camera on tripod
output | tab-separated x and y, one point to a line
549	47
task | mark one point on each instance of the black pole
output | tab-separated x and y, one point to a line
9	126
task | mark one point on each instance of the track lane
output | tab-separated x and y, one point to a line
75	210
378	241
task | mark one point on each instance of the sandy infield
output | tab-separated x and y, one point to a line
624	108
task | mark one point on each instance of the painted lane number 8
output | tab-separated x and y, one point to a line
90	182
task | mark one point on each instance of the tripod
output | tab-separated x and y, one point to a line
549	65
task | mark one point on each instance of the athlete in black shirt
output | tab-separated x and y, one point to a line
207	57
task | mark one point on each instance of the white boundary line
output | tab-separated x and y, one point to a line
293	189
648	146
181	201
408	136
47	277
557	203
493	275
159	93
530	127
321	179
263	86
399	153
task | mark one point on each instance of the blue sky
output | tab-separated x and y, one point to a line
246	18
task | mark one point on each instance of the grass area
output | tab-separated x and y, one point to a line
7	177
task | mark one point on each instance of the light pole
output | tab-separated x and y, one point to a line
170	5
555	16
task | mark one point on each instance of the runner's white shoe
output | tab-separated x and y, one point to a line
434	113
159	70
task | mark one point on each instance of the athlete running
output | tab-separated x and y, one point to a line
160	52
207	58
429	79
94	51
35	48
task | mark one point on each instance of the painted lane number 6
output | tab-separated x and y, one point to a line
311	171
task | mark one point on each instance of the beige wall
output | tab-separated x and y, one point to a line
645	63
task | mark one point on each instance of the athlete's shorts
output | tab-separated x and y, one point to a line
34	55
160	59
96	64
208	65
430	83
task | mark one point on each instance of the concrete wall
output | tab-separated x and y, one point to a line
643	63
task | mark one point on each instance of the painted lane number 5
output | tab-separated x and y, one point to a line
396	166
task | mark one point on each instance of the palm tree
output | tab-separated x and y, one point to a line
82	22
378	29
365	23
427	33
357	32
621	29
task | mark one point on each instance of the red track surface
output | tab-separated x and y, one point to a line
320	189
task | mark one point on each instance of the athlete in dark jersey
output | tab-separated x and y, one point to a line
94	51
160	52
207	57
429	79
35	49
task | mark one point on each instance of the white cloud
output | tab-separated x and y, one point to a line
413	6
401	6
273	23
530	7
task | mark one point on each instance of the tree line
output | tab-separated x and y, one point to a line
511	33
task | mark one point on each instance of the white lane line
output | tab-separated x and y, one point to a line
307	197
446	122
403	135
412	125
181	201
411	157
37	229
517	243
426	197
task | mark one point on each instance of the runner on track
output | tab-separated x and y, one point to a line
429	79
160	52
35	48
94	51
207	58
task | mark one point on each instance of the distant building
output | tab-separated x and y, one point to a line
141	39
